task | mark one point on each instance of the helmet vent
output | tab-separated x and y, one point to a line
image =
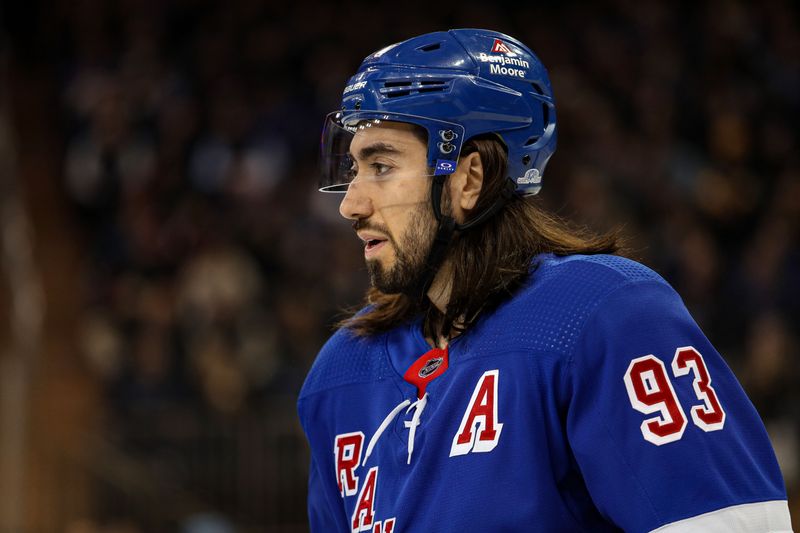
394	89
545	115
532	140
430	47
537	88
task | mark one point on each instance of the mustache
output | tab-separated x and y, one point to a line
364	224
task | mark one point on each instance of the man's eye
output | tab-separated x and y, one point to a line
376	170
380	169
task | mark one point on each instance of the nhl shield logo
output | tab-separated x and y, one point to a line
430	367
426	368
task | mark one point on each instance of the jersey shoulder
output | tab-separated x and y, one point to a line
347	359
576	282
550	311
590	270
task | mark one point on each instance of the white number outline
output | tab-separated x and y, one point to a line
708	407
702	393
665	417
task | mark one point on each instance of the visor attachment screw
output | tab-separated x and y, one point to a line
447	135
446	148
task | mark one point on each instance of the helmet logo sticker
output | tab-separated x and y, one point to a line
502	61
499	47
444	166
531	177
354	87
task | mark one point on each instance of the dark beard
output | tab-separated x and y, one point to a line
410	255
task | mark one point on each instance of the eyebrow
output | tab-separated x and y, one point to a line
377	148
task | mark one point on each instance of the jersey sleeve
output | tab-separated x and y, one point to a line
662	432
325	512
320	513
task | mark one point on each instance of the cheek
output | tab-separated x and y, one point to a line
403	204
398	197
417	223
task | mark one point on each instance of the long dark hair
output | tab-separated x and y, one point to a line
488	262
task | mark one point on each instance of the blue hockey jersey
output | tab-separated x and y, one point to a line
590	401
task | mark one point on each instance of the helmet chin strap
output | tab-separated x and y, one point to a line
447	228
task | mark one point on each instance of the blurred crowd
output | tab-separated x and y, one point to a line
214	270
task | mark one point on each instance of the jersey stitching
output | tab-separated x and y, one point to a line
343	385
571	363
529	365
591	314
382	347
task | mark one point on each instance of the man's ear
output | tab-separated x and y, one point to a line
470	171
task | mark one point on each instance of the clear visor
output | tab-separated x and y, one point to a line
383	149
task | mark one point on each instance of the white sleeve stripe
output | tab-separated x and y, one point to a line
761	517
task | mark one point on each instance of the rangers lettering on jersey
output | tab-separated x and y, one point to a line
347	449
364	513
386	527
483	410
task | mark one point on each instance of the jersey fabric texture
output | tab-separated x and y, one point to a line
564	409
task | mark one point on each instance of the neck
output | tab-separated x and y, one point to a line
439	292
439	296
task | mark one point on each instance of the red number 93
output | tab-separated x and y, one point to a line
650	391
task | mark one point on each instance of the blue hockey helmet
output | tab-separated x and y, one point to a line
455	84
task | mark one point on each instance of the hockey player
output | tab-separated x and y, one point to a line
508	373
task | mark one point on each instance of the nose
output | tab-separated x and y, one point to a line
355	205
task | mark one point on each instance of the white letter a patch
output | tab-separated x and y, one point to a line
482	410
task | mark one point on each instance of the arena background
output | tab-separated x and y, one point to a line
169	272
